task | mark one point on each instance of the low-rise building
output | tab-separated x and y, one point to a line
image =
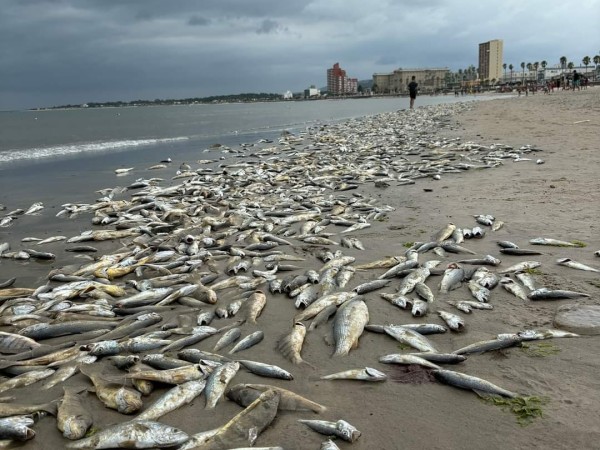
429	80
312	92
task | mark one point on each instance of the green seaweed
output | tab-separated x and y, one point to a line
408	244
579	244
404	347
92	431
540	350
526	408
533	271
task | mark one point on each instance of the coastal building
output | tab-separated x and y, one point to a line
490	60
312	92
287	95
338	83
430	80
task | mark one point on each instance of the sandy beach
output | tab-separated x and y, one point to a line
557	198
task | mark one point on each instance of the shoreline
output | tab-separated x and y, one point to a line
555	199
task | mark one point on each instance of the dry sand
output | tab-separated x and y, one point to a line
557	199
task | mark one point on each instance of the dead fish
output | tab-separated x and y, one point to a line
488	260
266	370
227	339
245	427
114	395
397	358
553	242
17	428
133	434
522	266
365	374
245	394
478	385
15	343
519	251
554	294
217	382
575	265
291	345
453	321
514	288
371	286
452	278
173	399
444	233
348	325
249	341
72	418
410	337
507	244
341	429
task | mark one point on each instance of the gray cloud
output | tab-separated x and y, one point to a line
73	51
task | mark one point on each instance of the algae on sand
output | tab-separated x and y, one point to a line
540	350
526	409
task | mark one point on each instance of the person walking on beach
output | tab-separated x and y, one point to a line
576	79
412	91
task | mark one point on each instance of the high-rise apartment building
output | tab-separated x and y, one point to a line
490	60
338	83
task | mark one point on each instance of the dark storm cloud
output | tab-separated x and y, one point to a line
268	26
198	21
74	51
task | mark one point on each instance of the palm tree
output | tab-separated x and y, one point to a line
536	65
504	67
529	70
544	63
570	65
523	77
511	67
563	62
586	62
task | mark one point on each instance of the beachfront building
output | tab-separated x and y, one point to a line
338	83
312	92
490	60
430	80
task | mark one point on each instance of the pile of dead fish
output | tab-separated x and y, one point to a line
203	255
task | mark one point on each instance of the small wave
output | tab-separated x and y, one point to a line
71	149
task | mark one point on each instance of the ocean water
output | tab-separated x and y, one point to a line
41	137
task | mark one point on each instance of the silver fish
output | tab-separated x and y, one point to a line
410	337
514	288
478	385
266	370
249	341
452	320
348	325
341	429
217	382
365	374
575	265
397	358
133	434
174	398
554	294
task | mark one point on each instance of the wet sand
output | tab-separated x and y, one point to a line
557	199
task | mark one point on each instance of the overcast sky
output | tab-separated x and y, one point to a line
55	52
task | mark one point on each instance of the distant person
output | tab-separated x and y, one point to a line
412	91
576	80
